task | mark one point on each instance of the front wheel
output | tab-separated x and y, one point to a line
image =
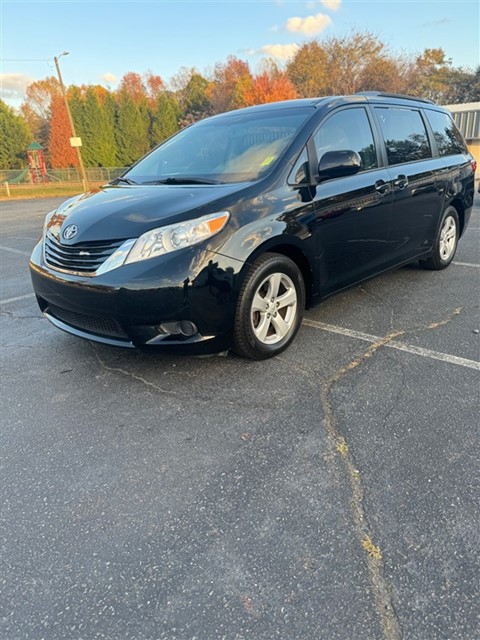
269	308
445	243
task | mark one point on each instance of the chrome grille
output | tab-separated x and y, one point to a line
79	258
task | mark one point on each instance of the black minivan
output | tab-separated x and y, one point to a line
220	237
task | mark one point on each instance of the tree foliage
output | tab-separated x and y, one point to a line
94	118
15	136
270	85
37	108
165	118
117	127
131	129
61	153
227	89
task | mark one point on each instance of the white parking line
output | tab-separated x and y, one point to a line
22	253
400	346
27	295
467	264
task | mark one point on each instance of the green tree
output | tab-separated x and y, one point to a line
196	99
76	101
165	118
99	143
131	130
463	86
15	136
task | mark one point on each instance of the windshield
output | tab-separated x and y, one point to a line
232	148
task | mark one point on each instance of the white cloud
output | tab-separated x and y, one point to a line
333	5
279	51
13	85
310	25
109	78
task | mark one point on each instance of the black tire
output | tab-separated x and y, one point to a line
282	311
443	253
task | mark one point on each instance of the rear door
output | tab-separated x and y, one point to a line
457	179
416	178
352	214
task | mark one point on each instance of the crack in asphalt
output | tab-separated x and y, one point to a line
382	590
201	397
131	374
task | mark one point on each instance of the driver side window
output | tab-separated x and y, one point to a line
350	130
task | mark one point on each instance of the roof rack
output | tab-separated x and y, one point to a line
383	94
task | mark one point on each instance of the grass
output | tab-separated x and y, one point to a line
48	190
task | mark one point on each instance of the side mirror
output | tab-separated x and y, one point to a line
336	164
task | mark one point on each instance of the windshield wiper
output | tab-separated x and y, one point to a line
124	180
180	180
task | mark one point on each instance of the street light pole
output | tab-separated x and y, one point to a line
72	126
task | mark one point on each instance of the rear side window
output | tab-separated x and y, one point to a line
348	130
448	137
404	134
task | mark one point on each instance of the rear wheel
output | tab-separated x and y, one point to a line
269	308
445	243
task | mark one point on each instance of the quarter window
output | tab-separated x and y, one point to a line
404	134
300	173
448	137
348	130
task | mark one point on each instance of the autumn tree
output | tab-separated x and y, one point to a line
269	85
308	70
15	136
61	153
226	91
343	65
132	85
348	58
37	107
154	87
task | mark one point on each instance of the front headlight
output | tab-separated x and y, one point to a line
176	236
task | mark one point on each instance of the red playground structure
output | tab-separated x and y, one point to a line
36	163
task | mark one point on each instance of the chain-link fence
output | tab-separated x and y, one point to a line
21	181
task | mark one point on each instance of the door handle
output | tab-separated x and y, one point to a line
401	181
382	187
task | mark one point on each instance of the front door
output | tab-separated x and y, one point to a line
353	214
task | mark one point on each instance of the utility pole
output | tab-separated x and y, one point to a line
72	126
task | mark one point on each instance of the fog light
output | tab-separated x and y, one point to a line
183	327
187	328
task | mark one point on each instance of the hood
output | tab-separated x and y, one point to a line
126	211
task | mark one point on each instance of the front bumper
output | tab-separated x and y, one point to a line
131	305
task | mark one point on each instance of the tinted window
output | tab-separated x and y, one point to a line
228	148
448	137
404	133
348	130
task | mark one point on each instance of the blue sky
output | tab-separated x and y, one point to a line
107	39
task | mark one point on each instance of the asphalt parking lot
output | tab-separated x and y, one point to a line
330	493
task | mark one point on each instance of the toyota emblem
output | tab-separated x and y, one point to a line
70	232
